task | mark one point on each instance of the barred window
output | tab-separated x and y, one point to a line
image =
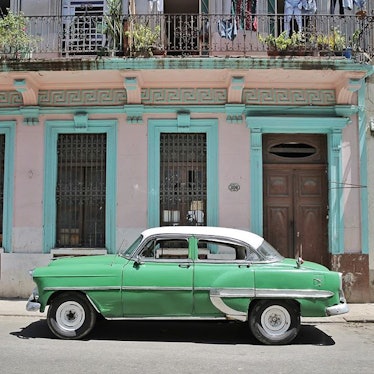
183	189
81	190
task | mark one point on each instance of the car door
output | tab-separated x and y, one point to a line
158	282
223	278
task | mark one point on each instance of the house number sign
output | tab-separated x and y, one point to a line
234	187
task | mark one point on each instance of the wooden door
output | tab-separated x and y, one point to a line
295	197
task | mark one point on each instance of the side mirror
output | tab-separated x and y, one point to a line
138	262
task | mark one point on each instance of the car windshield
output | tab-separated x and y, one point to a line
268	252
128	252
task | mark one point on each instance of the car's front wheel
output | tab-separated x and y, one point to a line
71	316
274	321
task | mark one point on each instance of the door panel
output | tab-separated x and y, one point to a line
311	214
295	210
159	283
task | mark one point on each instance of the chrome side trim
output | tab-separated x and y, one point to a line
271	293
168	318
94	288
294	294
233	292
155	288
225	309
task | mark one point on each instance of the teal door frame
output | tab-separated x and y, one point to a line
187	125
332	127
79	125
8	128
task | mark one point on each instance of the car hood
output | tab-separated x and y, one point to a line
83	265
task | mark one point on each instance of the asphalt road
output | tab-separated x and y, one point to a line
27	346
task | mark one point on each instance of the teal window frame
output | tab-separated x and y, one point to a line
8	128
332	127
182	124
53	129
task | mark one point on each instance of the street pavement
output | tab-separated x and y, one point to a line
357	312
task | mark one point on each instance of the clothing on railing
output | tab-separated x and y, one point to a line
245	11
360	3
292	8
227	28
346	4
156	4
309	7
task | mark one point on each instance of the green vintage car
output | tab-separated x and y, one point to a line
192	272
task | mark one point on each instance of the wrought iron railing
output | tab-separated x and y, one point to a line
192	35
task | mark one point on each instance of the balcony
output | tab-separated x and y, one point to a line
193	35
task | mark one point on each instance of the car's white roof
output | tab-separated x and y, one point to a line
219	232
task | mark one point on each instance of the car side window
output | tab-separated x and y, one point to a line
165	249
214	250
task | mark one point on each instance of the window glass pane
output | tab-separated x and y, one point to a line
166	249
220	250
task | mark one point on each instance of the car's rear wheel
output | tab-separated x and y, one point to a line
71	316
274	321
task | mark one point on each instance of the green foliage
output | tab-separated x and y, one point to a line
276	43
113	24
143	37
14	39
333	41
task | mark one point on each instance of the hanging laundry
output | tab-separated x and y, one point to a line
360	3
227	28
309	6
333	4
159	3
245	12
292	8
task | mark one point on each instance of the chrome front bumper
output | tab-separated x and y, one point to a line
32	303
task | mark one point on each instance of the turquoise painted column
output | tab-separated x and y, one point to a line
336	225
363	169
8	128
256	182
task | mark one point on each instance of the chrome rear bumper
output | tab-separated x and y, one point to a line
337	309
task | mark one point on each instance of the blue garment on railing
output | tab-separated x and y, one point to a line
309	6
360	3
227	28
292	8
294	3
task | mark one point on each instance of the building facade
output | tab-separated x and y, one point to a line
98	143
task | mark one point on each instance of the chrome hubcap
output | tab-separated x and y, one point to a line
70	316
275	320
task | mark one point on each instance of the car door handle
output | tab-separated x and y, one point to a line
185	266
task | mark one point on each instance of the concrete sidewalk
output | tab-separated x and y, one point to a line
357	312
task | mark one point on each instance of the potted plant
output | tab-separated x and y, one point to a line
113	25
143	39
334	42
276	44
296	44
15	42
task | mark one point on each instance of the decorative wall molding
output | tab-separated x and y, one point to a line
10	99
28	89
235	90
167	96
30	115
279	96
90	97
